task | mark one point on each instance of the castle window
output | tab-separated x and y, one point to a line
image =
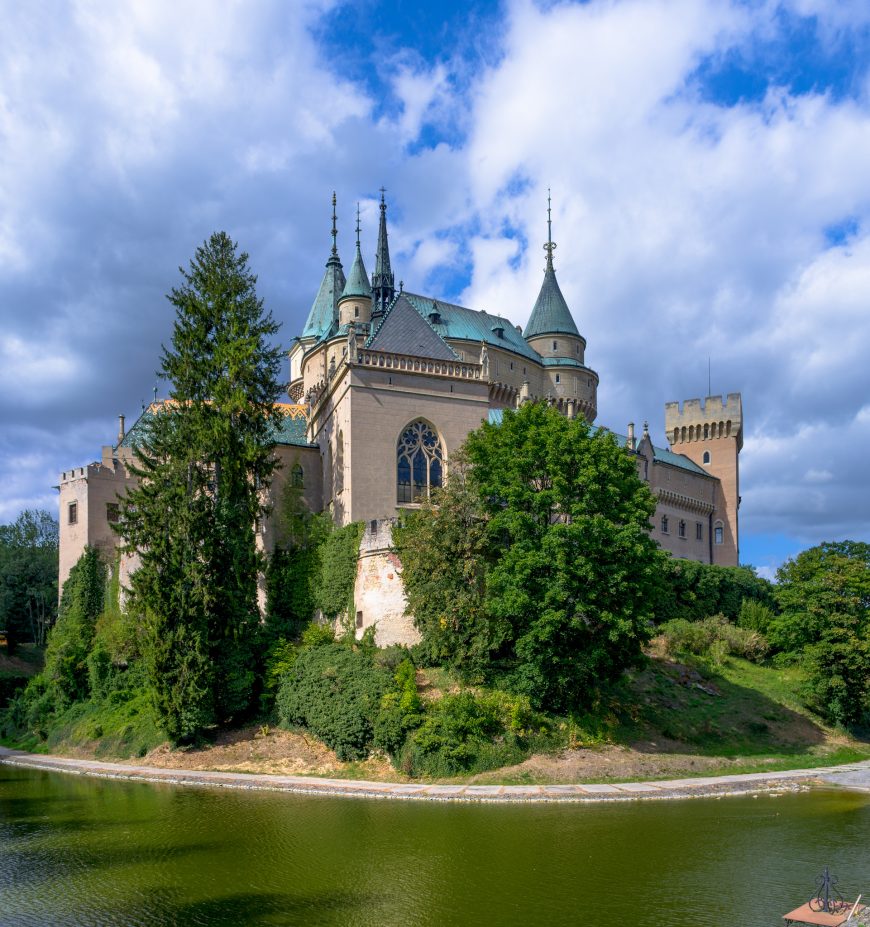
512	365
297	477
558	378
113	513
555	345
664	524
699	531
706	457
419	462
359	619
682	528
719	533
72	513
356	311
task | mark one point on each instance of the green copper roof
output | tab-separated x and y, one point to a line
291	430
551	314
323	310
358	281
451	321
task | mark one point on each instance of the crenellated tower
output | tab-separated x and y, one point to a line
711	435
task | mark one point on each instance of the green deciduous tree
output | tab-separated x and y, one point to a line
561	571
824	597
28	577
202	467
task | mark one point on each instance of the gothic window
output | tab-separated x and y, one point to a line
706	457
719	533
664	524
419	462
682	528
297	477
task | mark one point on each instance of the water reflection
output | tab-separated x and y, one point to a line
90	852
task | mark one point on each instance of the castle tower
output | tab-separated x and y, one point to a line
552	333
711	435
355	303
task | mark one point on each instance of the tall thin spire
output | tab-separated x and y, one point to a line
383	279
334	228
550	247
358	281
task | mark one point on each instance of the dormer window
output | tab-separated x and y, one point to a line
498	331
434	318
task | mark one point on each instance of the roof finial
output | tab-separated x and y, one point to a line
334	228
550	247
357	225
383	191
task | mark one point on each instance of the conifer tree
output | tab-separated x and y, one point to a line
205	460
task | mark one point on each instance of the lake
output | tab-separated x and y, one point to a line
79	851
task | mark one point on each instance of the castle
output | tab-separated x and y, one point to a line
385	385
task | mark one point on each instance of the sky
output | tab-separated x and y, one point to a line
709	162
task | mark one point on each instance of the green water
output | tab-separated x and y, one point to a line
91	852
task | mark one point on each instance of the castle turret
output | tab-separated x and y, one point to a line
711	435
552	332
324	310
383	279
355	303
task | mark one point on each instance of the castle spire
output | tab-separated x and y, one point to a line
551	314
383	279
357	281
324	309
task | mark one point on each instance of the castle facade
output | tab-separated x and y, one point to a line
386	384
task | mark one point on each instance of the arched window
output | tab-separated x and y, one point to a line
297	477
719	533
664	524
419	462
706	457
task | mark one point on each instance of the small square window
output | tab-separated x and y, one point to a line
113	513
72	513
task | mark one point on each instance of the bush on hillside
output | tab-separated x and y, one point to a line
714	637
334	691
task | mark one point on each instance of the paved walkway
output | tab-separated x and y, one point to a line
701	787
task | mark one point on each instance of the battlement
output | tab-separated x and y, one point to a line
717	417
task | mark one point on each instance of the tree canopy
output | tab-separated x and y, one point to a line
824	598
28	577
202	467
536	564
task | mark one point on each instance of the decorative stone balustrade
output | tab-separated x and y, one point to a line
406	362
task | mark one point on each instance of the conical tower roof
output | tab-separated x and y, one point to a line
358	281
324	308
551	314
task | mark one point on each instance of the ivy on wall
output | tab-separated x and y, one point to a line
338	559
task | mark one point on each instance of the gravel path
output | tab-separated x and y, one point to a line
701	787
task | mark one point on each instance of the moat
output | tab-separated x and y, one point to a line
81	851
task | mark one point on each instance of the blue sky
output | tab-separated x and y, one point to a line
710	167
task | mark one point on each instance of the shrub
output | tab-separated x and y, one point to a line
472	733
335	692
401	710
714	637
755	616
695	590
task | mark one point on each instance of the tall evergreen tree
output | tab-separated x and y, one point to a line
205	460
